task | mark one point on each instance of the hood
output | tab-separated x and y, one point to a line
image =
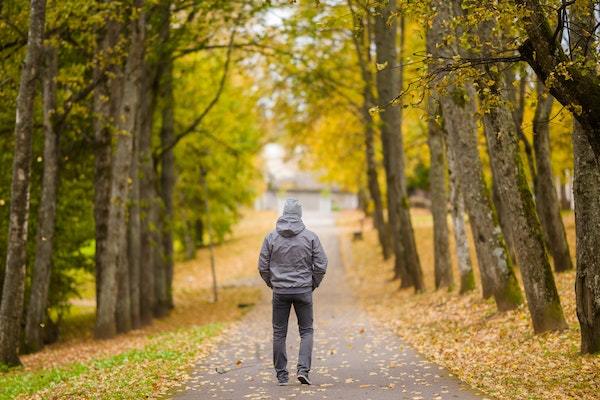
292	207
289	225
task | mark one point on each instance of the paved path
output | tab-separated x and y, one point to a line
353	358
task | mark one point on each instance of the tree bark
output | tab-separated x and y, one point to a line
389	84
503	217
542	296
189	245
132	86
373	185
167	179
13	289
151	262
40	281
146	182
134	230
458	110
114	308
587	214
439	199
134	223
587	220
161	303
463	253
516	198
363	53
546	198
105	107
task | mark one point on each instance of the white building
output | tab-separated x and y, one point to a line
285	179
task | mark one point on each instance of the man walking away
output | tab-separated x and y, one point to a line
292	262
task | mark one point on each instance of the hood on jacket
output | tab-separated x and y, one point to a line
292	207
290	223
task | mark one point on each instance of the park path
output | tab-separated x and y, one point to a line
353	358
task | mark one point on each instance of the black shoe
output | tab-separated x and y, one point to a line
282	383
303	378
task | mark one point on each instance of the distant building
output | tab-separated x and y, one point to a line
284	179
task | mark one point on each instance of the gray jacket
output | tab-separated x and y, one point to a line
292	259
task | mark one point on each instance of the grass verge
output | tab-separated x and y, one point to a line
148	372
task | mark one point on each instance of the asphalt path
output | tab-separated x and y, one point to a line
354	357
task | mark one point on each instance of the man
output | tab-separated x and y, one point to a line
292	262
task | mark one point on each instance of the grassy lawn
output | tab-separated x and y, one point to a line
494	352
147	362
147	372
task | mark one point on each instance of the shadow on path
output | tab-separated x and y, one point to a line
353	358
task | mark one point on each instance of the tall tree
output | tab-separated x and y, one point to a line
516	198
134	249
164	290
587	202
362	39
105	108
439	200
127	124
546	199
459	111
13	289
40	281
167	177
114	312
389	84
147	193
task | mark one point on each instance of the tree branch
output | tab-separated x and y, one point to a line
192	127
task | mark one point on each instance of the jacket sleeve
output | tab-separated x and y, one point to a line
264	267
319	261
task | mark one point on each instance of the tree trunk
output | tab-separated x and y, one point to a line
161	304
152	285
546	202
542	296
407	264
373	185
497	276
147	193
503	217
587	221
516	199
132	87
134	231
105	108
167	178
363	53
459	111
13	290
114	309
189	245
199	233
439	200
463	253
587	214
40	281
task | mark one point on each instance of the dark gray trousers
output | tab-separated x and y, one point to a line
281	313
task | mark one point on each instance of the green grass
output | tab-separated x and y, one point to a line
140	373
